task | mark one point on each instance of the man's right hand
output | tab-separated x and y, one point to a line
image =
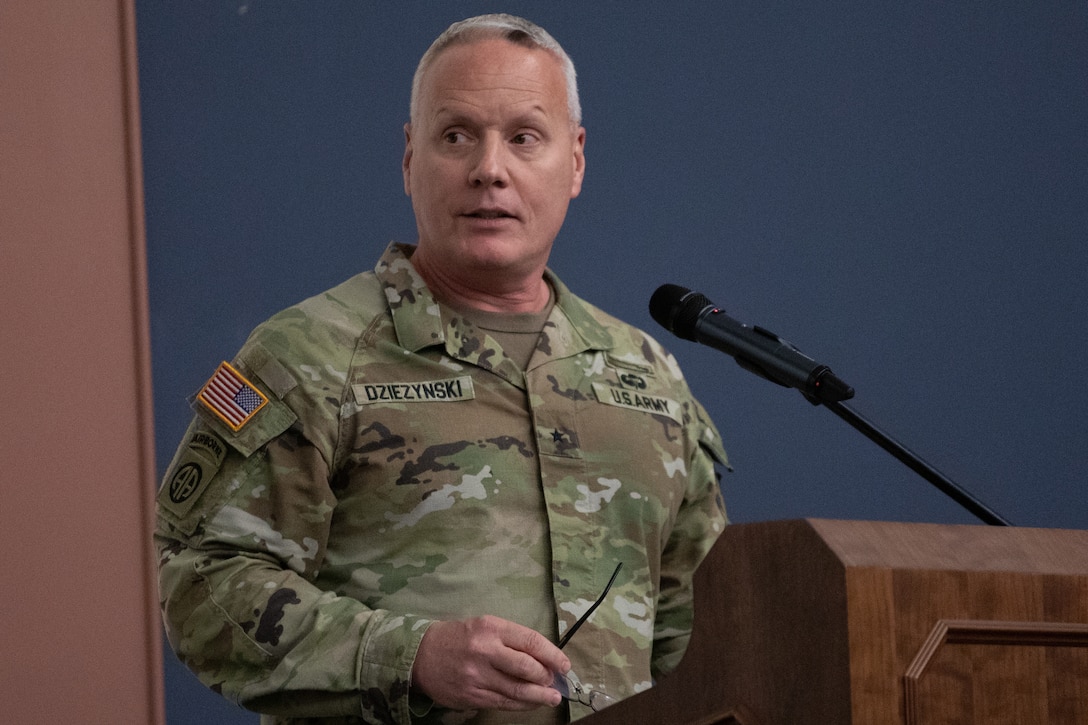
488	663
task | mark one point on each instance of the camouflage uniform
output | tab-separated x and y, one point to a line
392	467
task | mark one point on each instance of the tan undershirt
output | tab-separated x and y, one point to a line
516	332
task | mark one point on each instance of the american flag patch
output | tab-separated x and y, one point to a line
231	397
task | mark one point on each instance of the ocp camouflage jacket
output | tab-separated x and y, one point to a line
371	462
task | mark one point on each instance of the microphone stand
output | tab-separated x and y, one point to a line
692	316
916	464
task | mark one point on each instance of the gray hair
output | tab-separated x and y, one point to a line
508	27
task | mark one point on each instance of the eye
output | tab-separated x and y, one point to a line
454	137
525	139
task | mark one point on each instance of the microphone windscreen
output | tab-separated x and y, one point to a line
678	309
664	302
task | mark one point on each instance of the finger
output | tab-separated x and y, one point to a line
496	690
521	667
522	695
538	658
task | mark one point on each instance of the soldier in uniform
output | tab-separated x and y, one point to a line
400	494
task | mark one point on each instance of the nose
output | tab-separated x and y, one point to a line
489	164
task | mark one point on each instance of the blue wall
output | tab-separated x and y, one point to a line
899	188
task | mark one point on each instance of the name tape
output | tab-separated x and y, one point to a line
429	391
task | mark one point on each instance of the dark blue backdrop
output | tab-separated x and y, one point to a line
899	188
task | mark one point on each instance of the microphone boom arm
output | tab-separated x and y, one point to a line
915	463
692	316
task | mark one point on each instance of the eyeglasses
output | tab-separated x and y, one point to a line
568	685
571	689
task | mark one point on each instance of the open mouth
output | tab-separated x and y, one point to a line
490	214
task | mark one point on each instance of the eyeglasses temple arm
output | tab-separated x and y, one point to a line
584	617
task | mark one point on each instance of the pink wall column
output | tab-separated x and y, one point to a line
79	631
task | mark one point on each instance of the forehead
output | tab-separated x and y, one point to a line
495	70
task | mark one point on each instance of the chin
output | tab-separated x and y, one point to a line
500	254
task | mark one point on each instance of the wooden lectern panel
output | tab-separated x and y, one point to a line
852	622
1027	672
913	579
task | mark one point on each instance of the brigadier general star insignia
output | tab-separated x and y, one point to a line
232	398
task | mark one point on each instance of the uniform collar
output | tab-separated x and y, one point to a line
418	320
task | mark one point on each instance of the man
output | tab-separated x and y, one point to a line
402	492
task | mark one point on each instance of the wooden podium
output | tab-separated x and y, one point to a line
835	622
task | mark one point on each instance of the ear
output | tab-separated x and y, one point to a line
579	148
406	164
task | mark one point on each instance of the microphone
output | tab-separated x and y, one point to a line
692	316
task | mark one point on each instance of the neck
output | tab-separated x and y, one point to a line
492	291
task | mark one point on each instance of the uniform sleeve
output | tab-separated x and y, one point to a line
698	524
241	532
